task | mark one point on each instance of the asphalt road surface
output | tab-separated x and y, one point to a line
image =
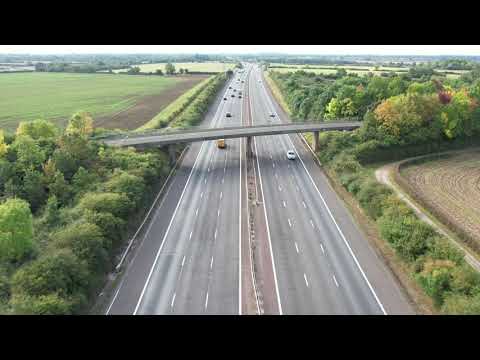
189	261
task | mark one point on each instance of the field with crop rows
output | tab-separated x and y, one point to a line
450	187
115	101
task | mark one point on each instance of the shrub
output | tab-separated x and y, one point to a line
441	249
122	182
16	230
117	204
372	197
86	241
50	304
60	272
435	279
112	227
457	304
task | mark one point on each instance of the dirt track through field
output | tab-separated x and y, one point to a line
147	107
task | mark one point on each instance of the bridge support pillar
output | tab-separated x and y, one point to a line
316	144
249	146
172	154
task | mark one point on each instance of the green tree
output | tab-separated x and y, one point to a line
60	272
117	204
33	189
159	72
50	304
59	187
122	182
83	180
29	155
86	242
169	69
81	124
37	129
52	212
16	230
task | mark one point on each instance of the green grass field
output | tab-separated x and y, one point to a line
351	69
201	67
27	96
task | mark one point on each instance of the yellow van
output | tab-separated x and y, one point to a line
221	143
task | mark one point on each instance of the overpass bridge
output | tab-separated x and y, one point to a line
143	141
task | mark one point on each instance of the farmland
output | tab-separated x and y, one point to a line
450	187
212	67
351	69
115	101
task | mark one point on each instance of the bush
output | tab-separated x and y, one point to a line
122	182
16	230
441	249
435	279
86	242
345	163
50	304
407	235
456	304
112	227
372	197
61	272
117	204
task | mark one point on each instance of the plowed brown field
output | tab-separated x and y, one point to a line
450	187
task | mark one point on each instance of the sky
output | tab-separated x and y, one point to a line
229	49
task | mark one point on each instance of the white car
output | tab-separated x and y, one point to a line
291	155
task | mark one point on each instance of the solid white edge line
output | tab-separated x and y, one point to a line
266	217
296	247
206	301
173	299
331	216
168	230
323	250
213	123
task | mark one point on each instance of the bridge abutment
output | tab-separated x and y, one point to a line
172	154
316	141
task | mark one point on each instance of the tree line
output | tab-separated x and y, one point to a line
403	115
65	204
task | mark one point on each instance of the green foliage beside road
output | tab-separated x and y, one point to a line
189	108
402	116
65	204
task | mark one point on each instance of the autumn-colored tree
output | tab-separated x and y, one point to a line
81	123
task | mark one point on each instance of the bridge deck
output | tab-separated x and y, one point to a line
188	136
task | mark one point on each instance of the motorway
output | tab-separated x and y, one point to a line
194	257
190	263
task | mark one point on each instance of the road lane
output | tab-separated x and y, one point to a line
309	281
183	271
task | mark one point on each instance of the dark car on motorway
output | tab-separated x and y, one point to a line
228	114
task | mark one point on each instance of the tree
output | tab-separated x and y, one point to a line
117	204
86	241
37	129
3	146
29	154
134	70
169	69
159	72
16	230
61	272
52	212
181	71
33	189
60	188
122	182
51	304
83	180
81	124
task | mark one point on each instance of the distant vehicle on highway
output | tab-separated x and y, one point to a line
233	95
291	155
221	143
229	87
243	81
234	90
228	114
224	98
272	115
239	96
